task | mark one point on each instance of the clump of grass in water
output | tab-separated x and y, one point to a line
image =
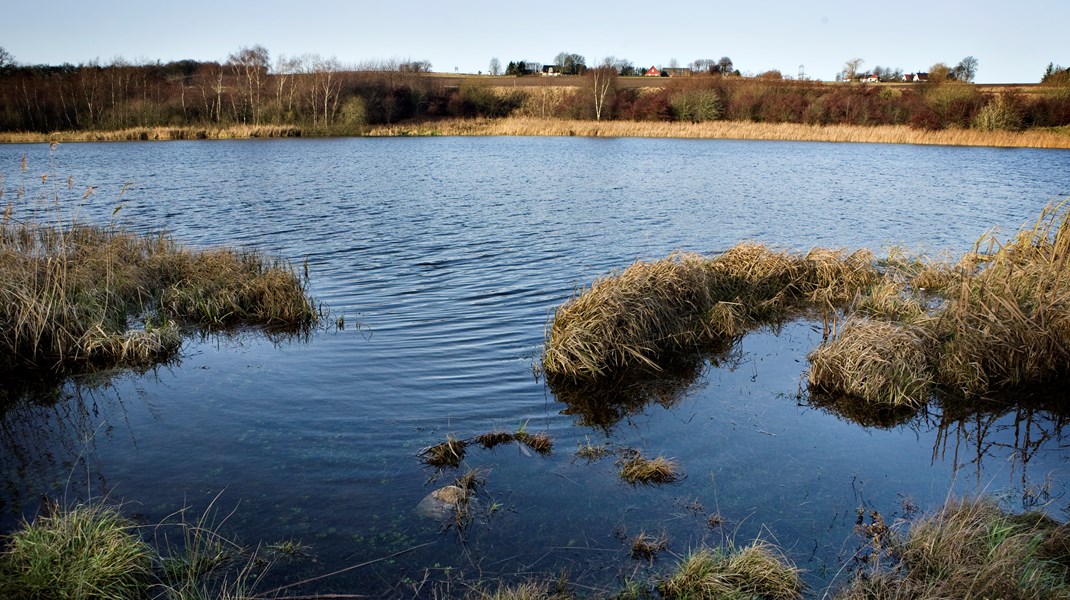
492	439
653	312
972	549
449	453
636	469
646	546
756	571
86	551
1004	324
70	291
592	452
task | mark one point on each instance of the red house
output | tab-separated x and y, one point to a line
653	72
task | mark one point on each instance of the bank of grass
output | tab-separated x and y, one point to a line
741	130
77	297
1000	320
650	313
222	132
970	548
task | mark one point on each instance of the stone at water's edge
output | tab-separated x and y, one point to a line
443	502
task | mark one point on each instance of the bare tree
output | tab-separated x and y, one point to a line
603	82
252	66
725	65
495	66
850	69
966	70
6	60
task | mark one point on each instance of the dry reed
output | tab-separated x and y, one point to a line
225	132
880	361
743	130
972	549
652	313
449	453
69	292
636	469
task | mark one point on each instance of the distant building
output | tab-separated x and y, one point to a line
872	79
652	72
550	70
915	77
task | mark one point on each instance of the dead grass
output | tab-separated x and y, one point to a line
972	549
647	547
156	134
494	438
449	453
882	361
636	469
756	571
539	442
69	294
655	312
743	130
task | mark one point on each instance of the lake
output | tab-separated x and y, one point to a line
445	257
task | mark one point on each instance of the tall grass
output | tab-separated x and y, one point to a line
225	132
651	313
1002	323
76	296
742	130
755	571
972	549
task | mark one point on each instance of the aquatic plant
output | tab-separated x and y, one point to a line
646	546
492	439
539	442
652	313
82	551
755	571
75	297
449	453
970	548
636	469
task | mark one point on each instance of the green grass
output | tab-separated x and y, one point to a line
88	551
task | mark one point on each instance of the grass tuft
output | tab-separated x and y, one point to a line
756	571
86	551
636	469
492	439
449	453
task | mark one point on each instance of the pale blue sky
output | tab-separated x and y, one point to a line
1013	41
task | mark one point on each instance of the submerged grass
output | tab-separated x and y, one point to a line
637	469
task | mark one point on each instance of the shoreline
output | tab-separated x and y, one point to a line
551	127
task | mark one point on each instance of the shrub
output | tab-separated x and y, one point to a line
1001	114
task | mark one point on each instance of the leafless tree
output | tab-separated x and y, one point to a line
603	82
850	69
495	66
724	65
252	66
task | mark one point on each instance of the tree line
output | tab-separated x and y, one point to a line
322	95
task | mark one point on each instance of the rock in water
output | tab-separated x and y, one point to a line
443	502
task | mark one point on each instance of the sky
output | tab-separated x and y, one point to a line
1012	41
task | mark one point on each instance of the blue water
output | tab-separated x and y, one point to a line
445	257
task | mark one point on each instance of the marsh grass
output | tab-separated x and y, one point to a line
755	571
85	551
653	313
1000	321
77	297
743	130
449	453
157	134
646	546
970	548
493	439
592	452
637	469
540	442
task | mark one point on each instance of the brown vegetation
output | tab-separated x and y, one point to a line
635	468
756	571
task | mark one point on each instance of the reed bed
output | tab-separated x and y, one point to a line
75	297
742	130
970	548
755	571
651	313
1000	322
225	132
883	362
